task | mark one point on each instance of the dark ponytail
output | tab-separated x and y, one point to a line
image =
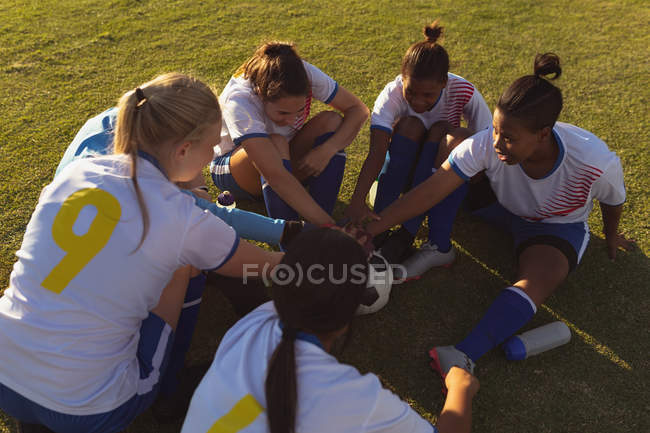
532	98
318	304
281	387
427	59
276	71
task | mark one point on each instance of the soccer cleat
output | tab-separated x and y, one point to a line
425	258
445	357
397	246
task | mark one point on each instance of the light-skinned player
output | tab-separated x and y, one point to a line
275	370
543	177
89	317
269	144
414	125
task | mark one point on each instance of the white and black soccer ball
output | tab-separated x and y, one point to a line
380	282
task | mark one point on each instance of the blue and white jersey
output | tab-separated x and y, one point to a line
95	138
82	285
243	110
332	397
459	99
585	170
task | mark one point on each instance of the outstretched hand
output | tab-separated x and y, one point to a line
618	241
360	213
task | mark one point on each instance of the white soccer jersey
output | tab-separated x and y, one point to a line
70	319
243	110
585	170
332	397
458	99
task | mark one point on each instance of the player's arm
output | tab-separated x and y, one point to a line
456	415
248	257
379	142
266	159
355	113
614	239
424	196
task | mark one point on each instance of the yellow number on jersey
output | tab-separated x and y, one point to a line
81	249
240	416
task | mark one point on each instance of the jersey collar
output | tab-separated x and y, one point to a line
305	336
152	159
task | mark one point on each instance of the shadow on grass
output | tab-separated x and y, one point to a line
578	386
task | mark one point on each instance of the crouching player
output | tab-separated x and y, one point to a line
89	320
545	175
415	123
274	370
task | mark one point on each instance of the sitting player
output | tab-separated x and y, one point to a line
274	370
545	176
87	324
414	125
270	148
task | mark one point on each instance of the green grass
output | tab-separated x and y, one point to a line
62	62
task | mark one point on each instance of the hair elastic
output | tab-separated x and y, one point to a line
139	94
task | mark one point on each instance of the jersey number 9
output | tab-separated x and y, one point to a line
81	249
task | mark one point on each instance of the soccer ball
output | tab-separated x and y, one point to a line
380	282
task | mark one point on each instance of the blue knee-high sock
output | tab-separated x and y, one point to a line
511	310
395	173
442	216
183	334
423	170
324	188
275	206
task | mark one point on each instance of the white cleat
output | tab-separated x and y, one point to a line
445	357
425	258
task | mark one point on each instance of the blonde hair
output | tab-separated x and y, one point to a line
171	109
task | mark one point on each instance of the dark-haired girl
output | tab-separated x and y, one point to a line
270	146
415	123
544	175
273	371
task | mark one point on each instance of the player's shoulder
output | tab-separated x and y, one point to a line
459	88
237	89
584	146
456	81
323	376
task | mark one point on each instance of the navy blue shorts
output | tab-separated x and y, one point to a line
570	238
223	179
156	338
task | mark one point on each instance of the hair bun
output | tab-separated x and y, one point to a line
432	32
546	64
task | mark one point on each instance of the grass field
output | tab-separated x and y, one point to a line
63	61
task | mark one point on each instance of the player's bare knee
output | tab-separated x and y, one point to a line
281	145
329	121
438	130
544	266
411	128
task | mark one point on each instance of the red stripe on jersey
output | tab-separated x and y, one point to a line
300	120
597	170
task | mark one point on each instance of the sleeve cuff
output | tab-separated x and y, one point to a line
457	169
238	140
333	94
235	245
381	128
